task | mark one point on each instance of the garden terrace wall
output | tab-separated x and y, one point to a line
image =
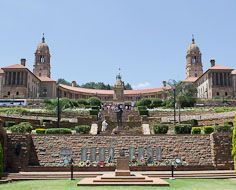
197	151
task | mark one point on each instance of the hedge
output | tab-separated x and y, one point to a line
1	161
143	112
196	130
82	129
208	129
193	122
223	129
93	112
9	123
234	144
183	129
23	127
40	131
160	128
58	131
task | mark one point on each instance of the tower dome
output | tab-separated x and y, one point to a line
193	47
42	47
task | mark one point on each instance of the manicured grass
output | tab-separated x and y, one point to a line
179	184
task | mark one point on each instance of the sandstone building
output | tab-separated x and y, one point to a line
17	81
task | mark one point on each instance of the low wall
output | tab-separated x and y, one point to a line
196	151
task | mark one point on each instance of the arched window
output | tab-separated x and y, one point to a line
42	59
194	59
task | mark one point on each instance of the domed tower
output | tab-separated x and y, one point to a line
42	67
118	89
193	61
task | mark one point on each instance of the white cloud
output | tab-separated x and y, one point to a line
141	85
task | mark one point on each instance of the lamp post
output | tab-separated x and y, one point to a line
58	107
174	91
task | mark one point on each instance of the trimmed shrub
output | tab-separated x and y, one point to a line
223	129
229	123
193	122
82	129
58	131
40	131
82	102
94	101
208	129
1	161
143	112
234	144
144	102
23	127
183	129
9	123
196	130
156	102
160	128
93	112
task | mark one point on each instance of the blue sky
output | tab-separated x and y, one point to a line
90	39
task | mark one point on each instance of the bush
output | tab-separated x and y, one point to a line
208	129
40	131
83	102
192	122
23	127
1	161
58	131
156	102
94	101
82	129
160	128
9	123
93	112
142	108
144	102
183	129
143	112
234	144
196	130
223	129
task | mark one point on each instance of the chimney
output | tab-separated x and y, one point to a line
23	62
213	62
73	84
164	83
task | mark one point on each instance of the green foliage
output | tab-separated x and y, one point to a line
93	112
196	130
94	101
224	109
223	129
40	131
63	81
144	102
193	122
82	129
156	102
23	127
183	128
160	128
58	131
234	143
128	86
9	123
1	161
208	129
82	102
12	110
144	112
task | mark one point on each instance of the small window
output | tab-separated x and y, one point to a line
217	93
195	74
8	93
226	94
17	93
40	74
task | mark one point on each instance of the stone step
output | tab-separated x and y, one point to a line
122	180
123	177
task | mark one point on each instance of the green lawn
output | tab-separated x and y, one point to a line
183	184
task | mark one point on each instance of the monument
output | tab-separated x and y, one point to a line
122	176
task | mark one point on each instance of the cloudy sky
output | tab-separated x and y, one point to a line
90	39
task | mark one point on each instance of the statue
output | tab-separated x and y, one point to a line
119	112
122	152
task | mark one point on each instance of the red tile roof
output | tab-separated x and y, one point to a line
46	79
15	66
220	67
190	79
111	92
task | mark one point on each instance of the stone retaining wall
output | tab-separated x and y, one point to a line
212	151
